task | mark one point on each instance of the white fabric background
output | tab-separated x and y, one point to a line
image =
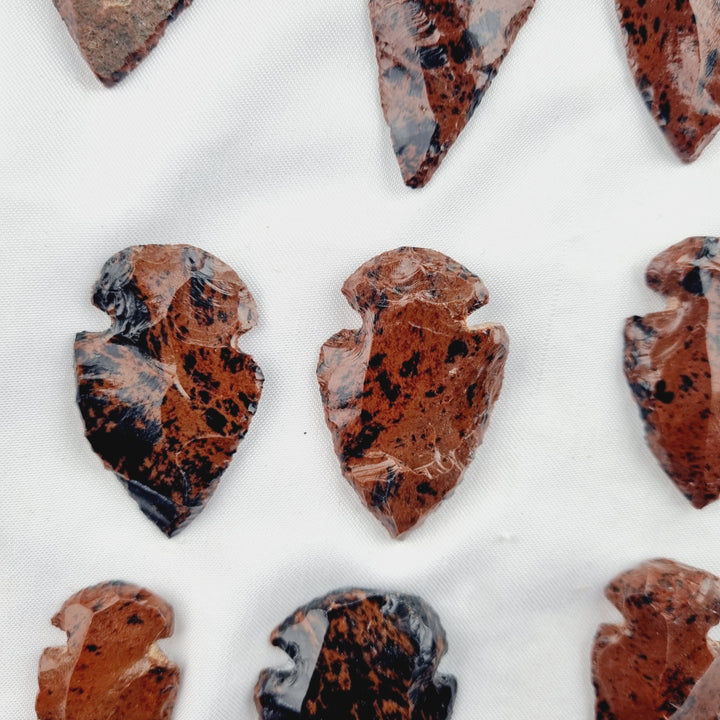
254	131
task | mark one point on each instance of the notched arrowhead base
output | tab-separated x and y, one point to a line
436	60
408	396
165	393
114	37
359	654
111	667
671	359
659	663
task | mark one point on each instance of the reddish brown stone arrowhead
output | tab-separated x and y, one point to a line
672	358
673	50
114	36
165	393
659	663
362	655
111	668
436	60
408	396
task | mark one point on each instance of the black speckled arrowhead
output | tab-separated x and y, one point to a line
359	655
659	663
672	50
436	60
165	393
671	358
408	396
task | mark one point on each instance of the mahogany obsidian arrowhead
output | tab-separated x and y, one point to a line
111	667
359	654
671	362
436	60
408	396
165	394
673	49
114	36
659	663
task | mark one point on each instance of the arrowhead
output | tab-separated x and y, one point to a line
114	37
436	60
408	397
671	361
359	654
659	659
672	49
111	666
165	393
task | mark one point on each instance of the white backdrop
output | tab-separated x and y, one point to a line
255	131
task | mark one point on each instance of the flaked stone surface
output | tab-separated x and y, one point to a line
114	36
362	655
672	359
659	663
436	60
111	668
672	49
165	393
408	396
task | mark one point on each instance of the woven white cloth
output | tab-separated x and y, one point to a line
255	131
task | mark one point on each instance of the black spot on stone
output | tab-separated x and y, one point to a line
189	363
662	393
692	282
391	391
687	383
217	421
425	488
135	620
470	393
664	111
365	438
457	348
433	57
462	50
410	366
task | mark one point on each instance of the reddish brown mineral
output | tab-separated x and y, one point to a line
436	60
670	362
673	49
362	655
165	394
111	668
116	35
659	663
408	396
